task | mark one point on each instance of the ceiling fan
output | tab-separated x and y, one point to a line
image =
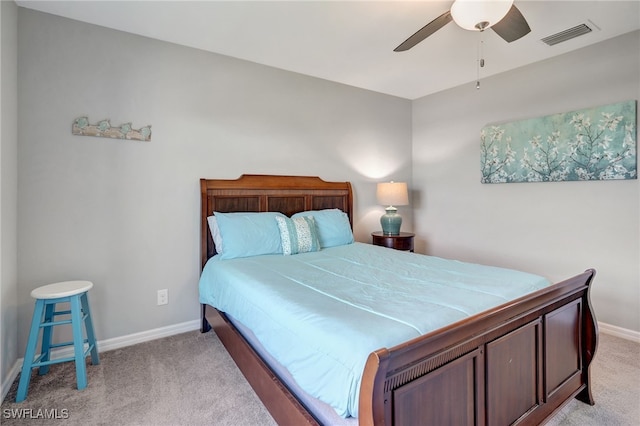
502	16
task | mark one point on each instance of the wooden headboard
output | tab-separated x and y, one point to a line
267	193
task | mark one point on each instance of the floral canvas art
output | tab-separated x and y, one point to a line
591	144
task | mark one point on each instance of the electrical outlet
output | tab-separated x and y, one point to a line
163	297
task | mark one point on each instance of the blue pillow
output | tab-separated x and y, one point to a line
298	235
249	234
333	226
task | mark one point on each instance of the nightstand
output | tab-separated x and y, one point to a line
403	241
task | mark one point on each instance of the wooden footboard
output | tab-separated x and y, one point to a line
516	364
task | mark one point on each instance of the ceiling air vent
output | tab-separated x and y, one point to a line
568	34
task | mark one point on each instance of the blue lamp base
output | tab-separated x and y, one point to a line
391	221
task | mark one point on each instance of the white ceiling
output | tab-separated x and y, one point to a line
352	42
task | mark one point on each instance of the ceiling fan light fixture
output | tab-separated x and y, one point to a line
478	15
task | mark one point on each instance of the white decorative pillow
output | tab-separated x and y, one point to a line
215	233
298	235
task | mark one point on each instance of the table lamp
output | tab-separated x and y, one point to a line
392	194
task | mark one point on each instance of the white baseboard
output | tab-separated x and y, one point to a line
106	345
624	333
10	377
144	336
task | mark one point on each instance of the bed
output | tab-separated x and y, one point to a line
515	363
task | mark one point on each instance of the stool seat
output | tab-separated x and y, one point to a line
61	289
45	318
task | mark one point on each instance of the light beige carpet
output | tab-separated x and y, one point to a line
615	388
189	379
186	379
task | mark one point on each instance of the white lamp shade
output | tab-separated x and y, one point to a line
392	194
470	13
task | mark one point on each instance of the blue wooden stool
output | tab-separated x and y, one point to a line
75	293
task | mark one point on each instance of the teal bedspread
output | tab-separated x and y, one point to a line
322	313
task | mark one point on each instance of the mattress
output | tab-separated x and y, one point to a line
320	314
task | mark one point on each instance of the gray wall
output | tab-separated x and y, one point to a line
8	187
125	214
555	229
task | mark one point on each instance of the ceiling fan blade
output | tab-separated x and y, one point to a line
512	26
425	32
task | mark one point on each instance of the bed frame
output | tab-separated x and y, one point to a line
518	363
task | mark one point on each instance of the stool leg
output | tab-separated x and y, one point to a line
78	341
91	337
46	337
30	351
